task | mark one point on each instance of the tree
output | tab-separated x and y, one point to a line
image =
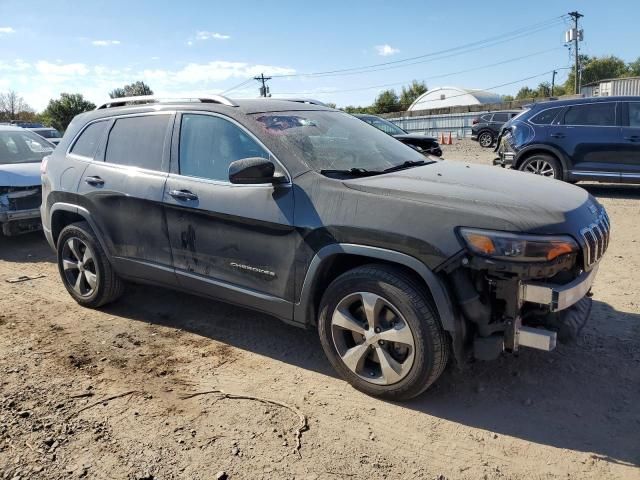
543	90
634	68
387	101
59	113
507	98
525	92
597	68
14	107
132	90
330	104
409	94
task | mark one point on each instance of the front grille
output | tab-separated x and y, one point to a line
596	239
19	201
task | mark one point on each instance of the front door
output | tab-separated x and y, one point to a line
630	145
233	242
589	135
123	188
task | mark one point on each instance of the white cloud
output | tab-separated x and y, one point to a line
204	35
190	43
6	30
53	71
105	43
386	50
17	65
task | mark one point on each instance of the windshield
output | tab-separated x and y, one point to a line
48	133
330	140
384	125
22	147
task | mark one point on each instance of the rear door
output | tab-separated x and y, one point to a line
589	134
123	189
630	145
233	242
499	119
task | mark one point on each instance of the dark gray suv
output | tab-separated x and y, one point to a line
400	261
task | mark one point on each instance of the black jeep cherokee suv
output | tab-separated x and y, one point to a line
486	128
306	213
595	139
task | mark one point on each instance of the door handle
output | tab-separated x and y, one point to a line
183	195
95	181
633	138
557	135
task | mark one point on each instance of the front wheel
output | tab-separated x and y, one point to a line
381	333
485	139
542	164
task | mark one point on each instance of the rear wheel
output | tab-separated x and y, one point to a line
485	139
381	334
542	164
84	267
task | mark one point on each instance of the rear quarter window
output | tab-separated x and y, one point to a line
593	114
546	117
138	141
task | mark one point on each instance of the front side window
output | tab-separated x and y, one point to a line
209	144
88	141
546	117
22	147
330	140
500	117
386	126
487	118
594	114
634	114
138	141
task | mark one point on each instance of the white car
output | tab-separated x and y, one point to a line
21	153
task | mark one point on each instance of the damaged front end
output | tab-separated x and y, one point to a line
525	290
20	209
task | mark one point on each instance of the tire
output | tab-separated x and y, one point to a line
402	313
485	139
81	255
542	164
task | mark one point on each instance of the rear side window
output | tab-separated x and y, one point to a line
546	117
88	141
209	144
500	117
138	141
634	114
594	114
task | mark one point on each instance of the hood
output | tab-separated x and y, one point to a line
20	174
414	137
481	196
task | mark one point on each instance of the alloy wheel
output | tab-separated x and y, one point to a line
485	140
372	338
540	167
79	267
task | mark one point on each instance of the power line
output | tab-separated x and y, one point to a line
488	42
428	79
237	86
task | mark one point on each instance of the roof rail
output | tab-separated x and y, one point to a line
122	101
310	101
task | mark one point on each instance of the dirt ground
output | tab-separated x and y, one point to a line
573	413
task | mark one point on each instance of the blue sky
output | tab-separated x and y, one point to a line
197	47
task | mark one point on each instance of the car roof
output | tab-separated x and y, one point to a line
581	100
367	115
11	128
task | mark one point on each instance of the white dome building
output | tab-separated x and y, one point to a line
451	97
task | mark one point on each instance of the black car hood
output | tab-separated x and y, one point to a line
486	197
414	137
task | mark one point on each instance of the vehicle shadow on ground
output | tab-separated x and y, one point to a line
26	248
576	397
612	190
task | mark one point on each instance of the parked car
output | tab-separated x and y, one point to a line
51	134
423	143
595	139
307	214
21	152
486	128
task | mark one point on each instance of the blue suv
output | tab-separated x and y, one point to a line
594	139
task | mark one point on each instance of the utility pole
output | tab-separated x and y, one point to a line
576	35
553	81
264	90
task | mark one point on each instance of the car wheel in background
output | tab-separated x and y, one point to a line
542	164
381	333
84	267
485	139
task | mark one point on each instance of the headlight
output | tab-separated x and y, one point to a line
516	247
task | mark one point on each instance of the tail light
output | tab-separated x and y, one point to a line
475	120
43	165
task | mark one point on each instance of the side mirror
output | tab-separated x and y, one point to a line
253	170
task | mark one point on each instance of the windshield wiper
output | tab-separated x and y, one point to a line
356	172
407	164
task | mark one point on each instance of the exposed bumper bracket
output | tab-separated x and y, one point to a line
558	297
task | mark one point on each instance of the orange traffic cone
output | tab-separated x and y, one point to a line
441	138
449	141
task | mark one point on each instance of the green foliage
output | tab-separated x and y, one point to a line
330	104
599	68
387	101
132	90
634	68
507	98
59	113
409	94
